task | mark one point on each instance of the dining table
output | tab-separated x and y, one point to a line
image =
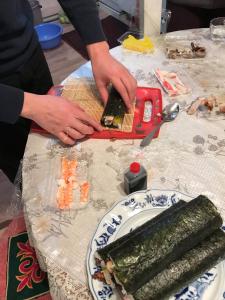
187	158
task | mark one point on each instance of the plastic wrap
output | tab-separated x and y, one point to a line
171	83
64	175
186	47
10	204
52	222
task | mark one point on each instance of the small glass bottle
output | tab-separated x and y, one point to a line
135	178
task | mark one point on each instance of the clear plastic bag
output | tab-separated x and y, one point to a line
64	184
173	82
53	228
10	203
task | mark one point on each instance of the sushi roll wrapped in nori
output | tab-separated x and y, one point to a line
181	272
142	256
114	111
102	254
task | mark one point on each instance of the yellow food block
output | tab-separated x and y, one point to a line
144	45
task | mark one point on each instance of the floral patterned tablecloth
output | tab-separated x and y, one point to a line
188	156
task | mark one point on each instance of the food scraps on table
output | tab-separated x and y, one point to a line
194	51
207	104
171	83
144	45
66	183
84	192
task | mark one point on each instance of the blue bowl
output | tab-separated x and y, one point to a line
49	34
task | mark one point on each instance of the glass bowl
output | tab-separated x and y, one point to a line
217	29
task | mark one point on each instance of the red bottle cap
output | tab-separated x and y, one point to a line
135	167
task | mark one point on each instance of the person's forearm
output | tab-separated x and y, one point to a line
11	103
83	14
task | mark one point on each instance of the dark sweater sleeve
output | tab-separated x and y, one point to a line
83	14
11	103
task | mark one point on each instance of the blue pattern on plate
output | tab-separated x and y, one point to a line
105	293
195	290
111	228
150	200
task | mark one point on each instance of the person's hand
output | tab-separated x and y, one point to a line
107	69
64	119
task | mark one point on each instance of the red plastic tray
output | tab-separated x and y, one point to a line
140	127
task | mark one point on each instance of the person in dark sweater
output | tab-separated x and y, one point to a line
25	79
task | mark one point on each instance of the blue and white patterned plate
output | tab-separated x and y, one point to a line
131	212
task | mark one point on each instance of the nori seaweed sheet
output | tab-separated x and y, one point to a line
181	272
142	257
103	253
115	108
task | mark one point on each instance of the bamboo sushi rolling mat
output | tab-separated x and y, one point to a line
84	93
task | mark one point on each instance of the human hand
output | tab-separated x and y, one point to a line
58	116
107	69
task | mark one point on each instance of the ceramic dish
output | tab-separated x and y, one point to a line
131	212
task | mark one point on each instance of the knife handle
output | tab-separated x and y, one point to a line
147	140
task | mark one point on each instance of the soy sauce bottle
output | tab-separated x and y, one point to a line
135	178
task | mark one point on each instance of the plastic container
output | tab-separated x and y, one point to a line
217	29
136	34
135	178
49	34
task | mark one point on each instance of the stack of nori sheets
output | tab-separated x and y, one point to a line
167	252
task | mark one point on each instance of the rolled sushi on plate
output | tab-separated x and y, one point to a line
156	258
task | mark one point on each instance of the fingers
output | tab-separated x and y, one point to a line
130	84
65	138
78	107
74	134
63	119
80	125
70	135
87	121
109	70
120	87
126	85
103	91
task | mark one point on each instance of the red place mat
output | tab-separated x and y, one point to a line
140	127
21	277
